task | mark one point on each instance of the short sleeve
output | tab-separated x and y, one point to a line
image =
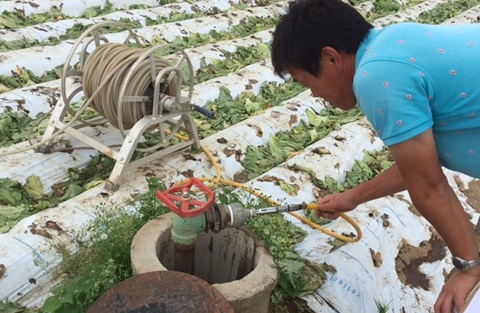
395	98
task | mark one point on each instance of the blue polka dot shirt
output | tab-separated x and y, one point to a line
412	77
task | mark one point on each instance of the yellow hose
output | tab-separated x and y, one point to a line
310	206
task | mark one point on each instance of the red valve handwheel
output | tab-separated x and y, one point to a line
187	207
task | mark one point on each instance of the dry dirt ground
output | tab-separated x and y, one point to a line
410	258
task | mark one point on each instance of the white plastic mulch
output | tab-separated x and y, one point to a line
357	284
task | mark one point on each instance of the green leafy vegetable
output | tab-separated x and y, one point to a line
371	165
17	126
73	190
9	216
11	192
18	18
23	77
290	189
297	275
284	144
446	10
229	111
384	7
34	187
300	277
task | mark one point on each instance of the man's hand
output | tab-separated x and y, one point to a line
330	205
387	183
456	289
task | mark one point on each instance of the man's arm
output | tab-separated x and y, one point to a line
433	197
431	194
387	183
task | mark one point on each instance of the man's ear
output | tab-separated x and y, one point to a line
330	55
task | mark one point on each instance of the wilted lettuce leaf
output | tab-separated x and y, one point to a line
10	192
12	212
7	22
316	119
91	12
282	147
72	191
10	215
290	189
372	164
300	277
11	123
253	107
34	187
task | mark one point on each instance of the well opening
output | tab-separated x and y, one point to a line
219	258
235	261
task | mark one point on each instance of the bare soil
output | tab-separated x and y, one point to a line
473	195
410	258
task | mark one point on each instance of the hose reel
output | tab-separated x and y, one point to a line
134	90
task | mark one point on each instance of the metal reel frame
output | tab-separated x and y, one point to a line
168	110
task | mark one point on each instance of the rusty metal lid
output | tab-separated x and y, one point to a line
162	292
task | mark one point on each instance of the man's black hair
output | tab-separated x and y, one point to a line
311	25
